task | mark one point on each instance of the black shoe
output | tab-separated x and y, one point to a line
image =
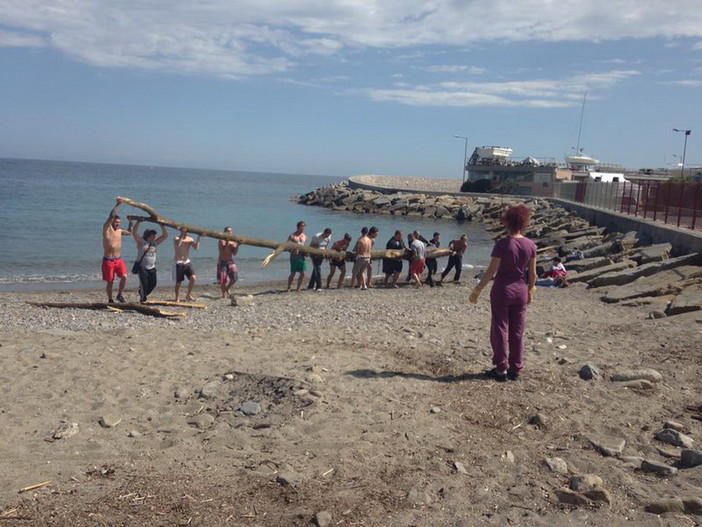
121	299
494	374
512	375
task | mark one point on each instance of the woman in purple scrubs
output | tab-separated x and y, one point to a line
511	257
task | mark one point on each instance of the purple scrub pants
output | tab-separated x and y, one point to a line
509	305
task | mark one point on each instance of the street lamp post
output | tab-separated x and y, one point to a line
465	154
686	132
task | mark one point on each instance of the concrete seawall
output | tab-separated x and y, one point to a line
684	241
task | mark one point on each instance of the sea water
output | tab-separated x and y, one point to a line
52	213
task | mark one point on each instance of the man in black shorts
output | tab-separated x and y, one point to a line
338	263
392	267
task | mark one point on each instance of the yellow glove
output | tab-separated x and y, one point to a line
473	298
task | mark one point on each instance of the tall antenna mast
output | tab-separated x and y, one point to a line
578	150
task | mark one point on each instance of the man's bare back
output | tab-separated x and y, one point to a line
363	247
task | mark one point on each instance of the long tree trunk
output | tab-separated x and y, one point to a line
277	247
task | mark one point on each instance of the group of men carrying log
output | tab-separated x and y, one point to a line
320	247
113	265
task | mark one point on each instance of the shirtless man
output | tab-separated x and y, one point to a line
298	263
227	273
182	244
112	263
362	252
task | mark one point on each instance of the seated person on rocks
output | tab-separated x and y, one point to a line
556	276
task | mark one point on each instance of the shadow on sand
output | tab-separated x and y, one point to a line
372	374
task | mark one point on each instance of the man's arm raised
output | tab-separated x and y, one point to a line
112	214
164	235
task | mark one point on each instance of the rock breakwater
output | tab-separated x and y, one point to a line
612	264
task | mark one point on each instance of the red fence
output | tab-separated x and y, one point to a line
674	202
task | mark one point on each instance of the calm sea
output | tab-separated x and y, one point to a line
51	216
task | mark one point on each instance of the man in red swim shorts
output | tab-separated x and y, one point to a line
112	263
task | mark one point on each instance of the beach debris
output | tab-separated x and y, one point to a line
108	422
638	385
129	306
180	392
34	487
201	421
193	305
589	372
242	300
674	437
418	497
459	467
288	479
64	430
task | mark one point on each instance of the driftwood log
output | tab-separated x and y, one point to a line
278	247
129	306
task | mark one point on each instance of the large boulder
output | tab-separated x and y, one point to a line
593	273
652	253
689	299
586	264
662	283
629	275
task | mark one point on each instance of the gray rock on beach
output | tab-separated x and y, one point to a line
557	465
658	468
674	437
676	505
209	390
250	408
646	374
690	458
322	519
585	482
589	372
608	449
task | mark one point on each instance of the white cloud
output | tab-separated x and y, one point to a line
14	39
691	83
541	93
455	68
250	37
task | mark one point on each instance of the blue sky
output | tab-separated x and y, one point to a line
348	87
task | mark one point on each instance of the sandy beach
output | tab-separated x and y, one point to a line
341	407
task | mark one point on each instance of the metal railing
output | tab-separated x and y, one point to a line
676	203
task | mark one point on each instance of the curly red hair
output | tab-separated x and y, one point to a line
516	218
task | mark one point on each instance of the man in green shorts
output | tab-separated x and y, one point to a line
298	264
